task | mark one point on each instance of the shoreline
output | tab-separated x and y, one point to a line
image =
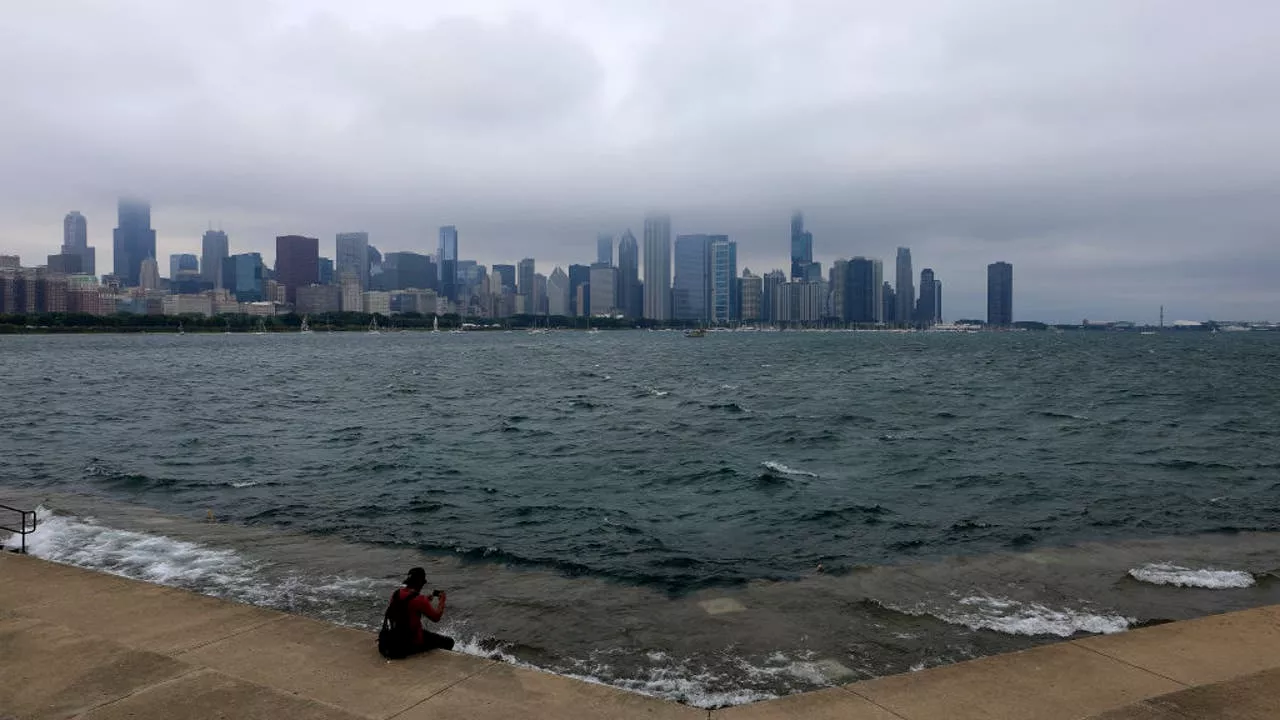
148	651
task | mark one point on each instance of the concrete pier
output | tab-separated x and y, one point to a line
81	644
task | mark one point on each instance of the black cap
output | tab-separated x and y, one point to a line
416	575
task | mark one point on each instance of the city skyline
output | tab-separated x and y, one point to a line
1118	180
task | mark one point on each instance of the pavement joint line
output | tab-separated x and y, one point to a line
191	670
1126	662
237	633
491	664
855	693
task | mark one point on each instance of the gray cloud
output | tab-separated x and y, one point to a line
1120	154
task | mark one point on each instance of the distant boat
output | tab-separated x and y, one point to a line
262	327
373	326
695	333
181	331
1147	332
228	330
306	326
435	324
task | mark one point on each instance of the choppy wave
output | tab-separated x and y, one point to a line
1170	574
784	470
1014	617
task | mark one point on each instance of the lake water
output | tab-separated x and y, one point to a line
715	520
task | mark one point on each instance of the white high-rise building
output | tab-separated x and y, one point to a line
657	268
558	292
604	289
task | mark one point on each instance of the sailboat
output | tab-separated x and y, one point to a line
591	330
435	324
305	329
262	327
181	331
228	330
373	326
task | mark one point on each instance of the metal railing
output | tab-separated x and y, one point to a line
27	524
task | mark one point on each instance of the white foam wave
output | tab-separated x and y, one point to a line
1014	617
1170	574
243	484
784	470
178	563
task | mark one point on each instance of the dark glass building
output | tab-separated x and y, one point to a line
579	275
801	249
691	287
927	304
244	277
630	291
133	240
1000	294
448	262
297	263
860	291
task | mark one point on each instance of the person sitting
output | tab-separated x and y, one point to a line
402	632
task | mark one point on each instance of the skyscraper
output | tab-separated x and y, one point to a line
877	275
928	302
326	273
133	240
657	268
297	263
75	241
604	289
724	280
1000	294
351	255
750	290
526	287
770	290
580	279
243	275
214	248
558	293
630	292
149	274
860	291
888	306
506	277
937	301
801	248
905	291
839	279
604	249
691	289
183	263
447	259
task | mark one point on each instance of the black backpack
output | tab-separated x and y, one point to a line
396	638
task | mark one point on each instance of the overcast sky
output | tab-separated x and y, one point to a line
1121	154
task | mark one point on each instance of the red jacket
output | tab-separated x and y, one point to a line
420	605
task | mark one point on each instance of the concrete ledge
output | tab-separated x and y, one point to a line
1204	650
335	665
504	692
1252	697
208	695
1049	682
82	644
49	671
